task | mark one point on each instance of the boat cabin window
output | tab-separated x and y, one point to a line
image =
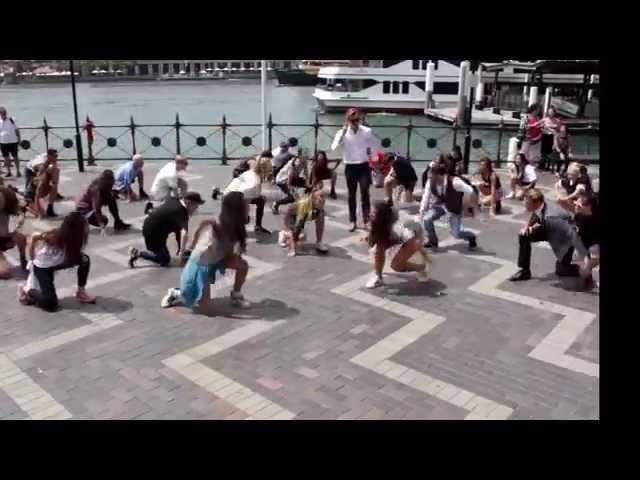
424	64
445	88
386	87
405	87
396	87
415	64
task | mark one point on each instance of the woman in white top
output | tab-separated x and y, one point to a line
294	174
216	246
54	250
523	177
250	185
404	239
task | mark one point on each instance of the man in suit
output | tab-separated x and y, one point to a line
545	225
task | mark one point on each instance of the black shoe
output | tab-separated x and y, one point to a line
498	208
587	283
431	245
133	256
18	174
59	197
216	193
261	229
8	175
50	213
148	207
473	244
353	227
120	226
520	275
274	209
567	271
333	196
143	195
23	264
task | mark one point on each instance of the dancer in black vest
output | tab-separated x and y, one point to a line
444	194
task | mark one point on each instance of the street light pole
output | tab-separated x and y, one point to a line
75	113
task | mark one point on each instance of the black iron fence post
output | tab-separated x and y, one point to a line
467	137
224	140
409	128
177	134
270	128
500	132
132	126
45	127
455	133
316	132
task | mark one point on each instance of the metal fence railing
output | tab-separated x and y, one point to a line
228	141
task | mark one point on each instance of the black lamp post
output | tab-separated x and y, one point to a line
75	113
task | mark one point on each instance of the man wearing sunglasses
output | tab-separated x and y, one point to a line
357	142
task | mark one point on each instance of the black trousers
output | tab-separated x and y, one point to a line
358	174
112	205
157	250
46	298
524	250
259	203
297	182
546	148
425	176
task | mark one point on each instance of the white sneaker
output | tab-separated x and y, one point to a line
422	276
510	195
282	239
321	247
374	282
237	300
170	299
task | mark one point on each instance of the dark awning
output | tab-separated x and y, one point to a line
577	67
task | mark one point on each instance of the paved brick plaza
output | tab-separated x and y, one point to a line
316	344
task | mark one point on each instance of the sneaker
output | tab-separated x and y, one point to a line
170	298
148	207
422	276
237	300
333	196
261	229
520	275
282	239
292	253
374	282
322	248
510	195
83	297
133	256
473	244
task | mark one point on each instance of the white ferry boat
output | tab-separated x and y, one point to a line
397	86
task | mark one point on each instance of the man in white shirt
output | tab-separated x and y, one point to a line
291	147
443	194
169	182
357	142
9	141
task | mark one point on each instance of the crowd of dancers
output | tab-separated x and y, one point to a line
218	244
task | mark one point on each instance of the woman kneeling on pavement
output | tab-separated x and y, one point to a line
404	239
310	207
55	250
216	246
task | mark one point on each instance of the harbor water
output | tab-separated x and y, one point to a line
201	102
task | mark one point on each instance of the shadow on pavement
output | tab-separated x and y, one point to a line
266	309
412	288
103	305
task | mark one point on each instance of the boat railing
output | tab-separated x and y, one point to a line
229	141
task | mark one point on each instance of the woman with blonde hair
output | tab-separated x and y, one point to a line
250	185
308	208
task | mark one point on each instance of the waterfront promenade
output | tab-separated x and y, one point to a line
316	344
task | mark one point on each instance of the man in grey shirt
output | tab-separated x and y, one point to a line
281	158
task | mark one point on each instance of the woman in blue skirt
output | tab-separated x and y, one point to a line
216	246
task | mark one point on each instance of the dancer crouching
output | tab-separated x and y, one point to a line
388	232
310	207
216	246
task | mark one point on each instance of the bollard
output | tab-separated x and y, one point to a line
428	84
547	99
533	96
500	132
462	88
513	149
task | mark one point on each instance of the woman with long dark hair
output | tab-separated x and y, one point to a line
489	187
320	171
403	238
217	245
10	207
523	177
57	249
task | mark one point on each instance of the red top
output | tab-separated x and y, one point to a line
89	126
377	163
533	132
